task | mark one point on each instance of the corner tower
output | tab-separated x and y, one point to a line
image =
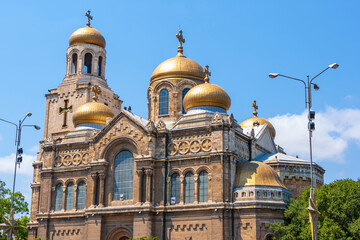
169	83
85	67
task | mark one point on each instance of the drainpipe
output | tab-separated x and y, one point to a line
165	185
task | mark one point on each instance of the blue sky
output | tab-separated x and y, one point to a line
241	41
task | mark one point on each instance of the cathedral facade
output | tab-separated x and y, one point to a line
188	171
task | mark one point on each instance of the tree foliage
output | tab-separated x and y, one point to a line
20	207
339	206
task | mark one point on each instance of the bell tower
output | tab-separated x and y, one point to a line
85	67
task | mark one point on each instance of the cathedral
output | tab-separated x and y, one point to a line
189	171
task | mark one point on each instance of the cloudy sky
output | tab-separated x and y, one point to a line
241	41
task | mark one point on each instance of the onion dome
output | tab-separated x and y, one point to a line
87	35
256	173
92	112
178	65
207	94
256	121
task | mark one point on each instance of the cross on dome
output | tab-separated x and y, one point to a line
96	90
181	39
255	108
89	17
207	73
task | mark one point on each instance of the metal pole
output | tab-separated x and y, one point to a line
18	134
310	136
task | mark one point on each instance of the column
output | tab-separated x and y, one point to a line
75	197
63	198
196	188
52	209
140	174
101	192
182	189
148	173
94	178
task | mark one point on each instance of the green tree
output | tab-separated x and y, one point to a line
20	207
339	206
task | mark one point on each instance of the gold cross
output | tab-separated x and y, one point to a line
181	39
255	108
96	90
207	73
89	17
65	110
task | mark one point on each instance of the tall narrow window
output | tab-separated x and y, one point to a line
189	187
149	106
74	63
164	102
123	176
184	92
87	63
69	197
203	186
143	188
100	66
175	188
58	197
81	191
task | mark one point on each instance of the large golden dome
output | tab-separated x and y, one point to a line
256	173
179	65
92	113
207	94
87	35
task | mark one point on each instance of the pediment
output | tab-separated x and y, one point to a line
265	140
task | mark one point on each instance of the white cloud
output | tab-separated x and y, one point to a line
335	128
7	164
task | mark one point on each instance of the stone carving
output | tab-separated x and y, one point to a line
161	125
172	149
206	145
195	146
65	159
217	118
151	126
183	147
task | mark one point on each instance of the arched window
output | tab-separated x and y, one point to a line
123	176
184	92
164	102
100	66
203	186
81	191
189	187
69	197
58	197
175	188
74	63
87	63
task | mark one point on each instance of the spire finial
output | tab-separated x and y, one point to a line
207	73
96	90
255	108
181	39
89	17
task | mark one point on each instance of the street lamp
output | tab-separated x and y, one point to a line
19	151
311	127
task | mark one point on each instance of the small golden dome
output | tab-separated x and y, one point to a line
87	35
255	120
207	94
256	173
92	113
250	122
179	65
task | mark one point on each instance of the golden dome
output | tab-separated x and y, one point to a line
207	94
92	113
250	123
179	65
87	35
256	173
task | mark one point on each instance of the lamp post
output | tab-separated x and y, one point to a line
19	151
311	127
